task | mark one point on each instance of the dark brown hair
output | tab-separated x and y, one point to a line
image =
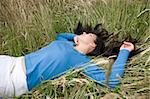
107	43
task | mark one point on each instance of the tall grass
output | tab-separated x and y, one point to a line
27	25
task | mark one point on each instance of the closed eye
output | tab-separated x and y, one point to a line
91	35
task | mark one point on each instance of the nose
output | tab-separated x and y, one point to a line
84	33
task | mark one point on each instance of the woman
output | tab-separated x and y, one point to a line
69	51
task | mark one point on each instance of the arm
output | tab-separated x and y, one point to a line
118	68
65	36
97	74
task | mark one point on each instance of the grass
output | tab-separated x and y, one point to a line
27	25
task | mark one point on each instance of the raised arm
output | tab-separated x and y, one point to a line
65	36
97	74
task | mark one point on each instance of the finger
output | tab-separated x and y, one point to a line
125	46
127	43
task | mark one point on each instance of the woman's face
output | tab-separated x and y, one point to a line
87	38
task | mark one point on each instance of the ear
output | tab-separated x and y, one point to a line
93	45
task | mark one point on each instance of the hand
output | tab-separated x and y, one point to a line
127	45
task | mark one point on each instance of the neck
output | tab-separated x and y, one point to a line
81	49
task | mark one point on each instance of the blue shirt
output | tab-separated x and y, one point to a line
60	56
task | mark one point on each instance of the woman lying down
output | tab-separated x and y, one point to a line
69	51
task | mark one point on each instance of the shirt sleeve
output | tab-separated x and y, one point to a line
65	36
98	74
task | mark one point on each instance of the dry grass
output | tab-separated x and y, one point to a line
27	25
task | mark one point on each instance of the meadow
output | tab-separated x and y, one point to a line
28	25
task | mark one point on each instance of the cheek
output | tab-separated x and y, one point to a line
89	40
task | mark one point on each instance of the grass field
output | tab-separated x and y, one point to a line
27	25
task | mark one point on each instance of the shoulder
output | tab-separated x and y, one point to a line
63	43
